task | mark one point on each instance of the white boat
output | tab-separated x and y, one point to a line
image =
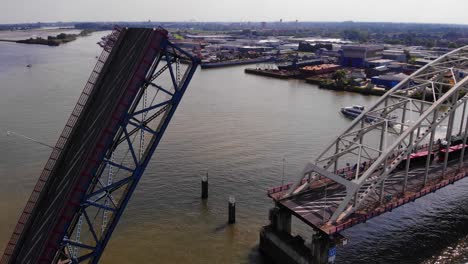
354	111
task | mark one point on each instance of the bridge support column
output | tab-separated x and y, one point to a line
279	246
280	220
320	247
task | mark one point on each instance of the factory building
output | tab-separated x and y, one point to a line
396	55
388	81
358	55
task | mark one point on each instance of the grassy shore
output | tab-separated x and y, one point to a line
52	40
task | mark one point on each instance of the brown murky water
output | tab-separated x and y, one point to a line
237	126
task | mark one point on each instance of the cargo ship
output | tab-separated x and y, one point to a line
218	64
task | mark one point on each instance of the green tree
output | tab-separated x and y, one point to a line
429	43
62	36
355	35
452	45
408	55
339	76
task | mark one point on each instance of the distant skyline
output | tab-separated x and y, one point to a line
418	11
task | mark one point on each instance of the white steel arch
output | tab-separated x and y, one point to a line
404	119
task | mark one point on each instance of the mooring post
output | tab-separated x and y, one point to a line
204	186
232	210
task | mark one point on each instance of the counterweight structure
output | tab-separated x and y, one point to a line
113	131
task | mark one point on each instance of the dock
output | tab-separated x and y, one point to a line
278	74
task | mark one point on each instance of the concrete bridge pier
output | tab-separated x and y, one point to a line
281	220
279	246
320	248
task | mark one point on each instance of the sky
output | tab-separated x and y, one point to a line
419	11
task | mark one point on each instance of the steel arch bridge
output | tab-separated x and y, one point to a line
409	143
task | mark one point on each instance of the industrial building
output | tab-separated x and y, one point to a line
388	81
358	55
396	55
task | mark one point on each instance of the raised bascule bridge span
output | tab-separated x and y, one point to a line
410	143
113	131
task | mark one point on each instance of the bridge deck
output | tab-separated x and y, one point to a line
315	207
109	93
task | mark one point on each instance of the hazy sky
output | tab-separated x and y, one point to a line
432	11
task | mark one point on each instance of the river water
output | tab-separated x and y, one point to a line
238	127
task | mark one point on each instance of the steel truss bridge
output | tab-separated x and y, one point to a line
399	149
113	131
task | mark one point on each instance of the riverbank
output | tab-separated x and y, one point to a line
323	81
57	40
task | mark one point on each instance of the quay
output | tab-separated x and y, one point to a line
322	82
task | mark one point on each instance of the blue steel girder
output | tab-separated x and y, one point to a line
160	112
74	210
29	235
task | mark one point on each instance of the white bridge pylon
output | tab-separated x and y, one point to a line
386	133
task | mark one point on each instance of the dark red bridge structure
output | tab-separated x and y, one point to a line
113	131
375	167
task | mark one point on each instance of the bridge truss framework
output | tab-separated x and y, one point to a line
147	76
405	119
